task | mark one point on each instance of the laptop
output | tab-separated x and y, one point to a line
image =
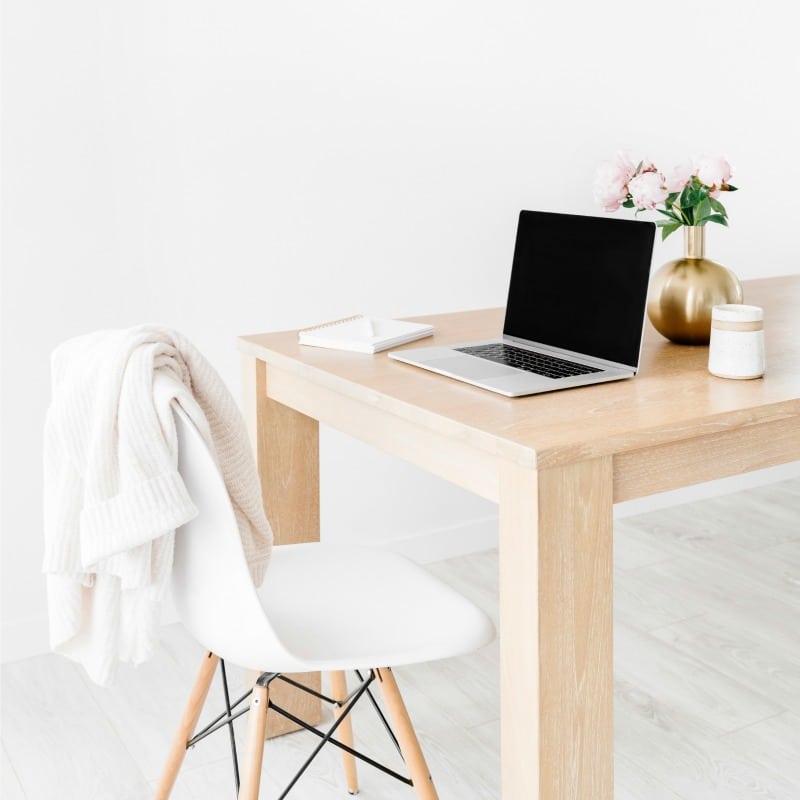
575	310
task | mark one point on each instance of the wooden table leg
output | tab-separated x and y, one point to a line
556	632
286	445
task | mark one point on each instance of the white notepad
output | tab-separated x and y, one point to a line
363	334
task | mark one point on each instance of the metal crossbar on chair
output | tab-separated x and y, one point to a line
293	625
227	718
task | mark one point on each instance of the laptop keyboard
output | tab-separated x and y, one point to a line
541	364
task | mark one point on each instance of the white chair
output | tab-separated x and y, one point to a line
321	608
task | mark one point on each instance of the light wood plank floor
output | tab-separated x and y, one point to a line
707	684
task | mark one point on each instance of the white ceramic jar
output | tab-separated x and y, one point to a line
736	348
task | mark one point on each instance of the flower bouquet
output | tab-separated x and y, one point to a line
688	197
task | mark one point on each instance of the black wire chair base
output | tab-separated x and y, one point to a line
233	712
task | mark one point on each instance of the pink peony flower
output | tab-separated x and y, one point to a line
609	194
648	189
611	182
680	177
624	166
714	171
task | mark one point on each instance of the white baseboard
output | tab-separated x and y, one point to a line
456	540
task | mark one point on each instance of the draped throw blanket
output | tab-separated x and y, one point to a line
112	493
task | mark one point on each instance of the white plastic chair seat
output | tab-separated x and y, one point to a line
339	607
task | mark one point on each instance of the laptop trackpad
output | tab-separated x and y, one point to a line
470	367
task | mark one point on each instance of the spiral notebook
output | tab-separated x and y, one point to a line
363	334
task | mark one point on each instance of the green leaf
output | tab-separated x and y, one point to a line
683	200
628	204
668	228
702	211
716	218
671	214
696	196
717	206
728	188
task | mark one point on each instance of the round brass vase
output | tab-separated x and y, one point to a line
683	291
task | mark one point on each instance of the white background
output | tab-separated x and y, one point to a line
230	168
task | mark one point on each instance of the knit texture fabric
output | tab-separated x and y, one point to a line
112	492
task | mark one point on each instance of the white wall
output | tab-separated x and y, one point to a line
234	167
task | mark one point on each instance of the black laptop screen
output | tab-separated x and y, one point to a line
580	283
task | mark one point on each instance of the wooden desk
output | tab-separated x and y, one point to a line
555	463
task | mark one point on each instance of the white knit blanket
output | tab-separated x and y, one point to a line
113	496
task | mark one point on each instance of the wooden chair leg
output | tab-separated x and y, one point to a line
254	743
406	737
345	731
186	726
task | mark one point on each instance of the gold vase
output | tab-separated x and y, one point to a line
683	291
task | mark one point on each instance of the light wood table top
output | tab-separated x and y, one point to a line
673	397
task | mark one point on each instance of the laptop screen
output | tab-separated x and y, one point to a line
580	283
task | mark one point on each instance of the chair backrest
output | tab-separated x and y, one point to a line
211	584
